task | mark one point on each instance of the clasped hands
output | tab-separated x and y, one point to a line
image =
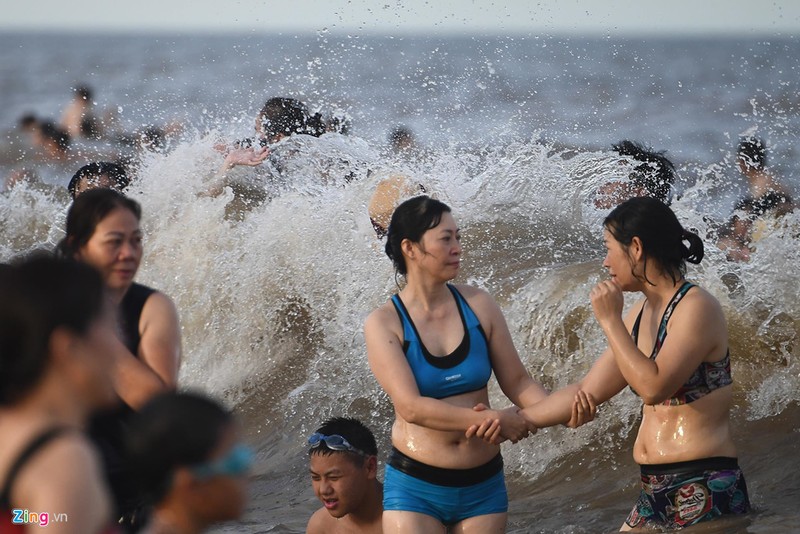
509	424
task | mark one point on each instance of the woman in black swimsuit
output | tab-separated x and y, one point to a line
103	231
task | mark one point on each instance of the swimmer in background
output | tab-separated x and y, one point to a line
53	141
343	461
151	138
653	175
78	120
189	460
284	127
767	197
27	125
765	192
672	351
99	174
279	118
734	238
758	211
402	140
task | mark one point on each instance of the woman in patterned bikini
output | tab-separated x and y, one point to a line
672	350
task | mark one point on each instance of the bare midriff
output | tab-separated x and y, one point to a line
693	431
447	449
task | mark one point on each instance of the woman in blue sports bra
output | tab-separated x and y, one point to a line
433	348
672	350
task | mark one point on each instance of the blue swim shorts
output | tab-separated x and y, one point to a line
456	494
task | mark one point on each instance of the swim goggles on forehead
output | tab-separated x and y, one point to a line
237	462
335	442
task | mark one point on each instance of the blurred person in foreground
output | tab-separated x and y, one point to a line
56	334
190	463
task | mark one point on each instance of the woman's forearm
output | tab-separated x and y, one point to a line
439	415
555	409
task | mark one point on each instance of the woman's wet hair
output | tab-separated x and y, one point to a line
171	431
41	293
654	173
663	238
85	214
752	152
97	169
411	220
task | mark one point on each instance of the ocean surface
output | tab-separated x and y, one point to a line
515	135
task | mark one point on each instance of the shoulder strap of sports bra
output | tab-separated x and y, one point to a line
461	302
468	317
400	308
32	448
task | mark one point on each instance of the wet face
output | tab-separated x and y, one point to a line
115	249
618	262
439	250
339	483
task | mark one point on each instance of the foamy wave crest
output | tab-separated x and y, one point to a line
272	302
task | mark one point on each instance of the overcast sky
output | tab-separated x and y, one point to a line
583	17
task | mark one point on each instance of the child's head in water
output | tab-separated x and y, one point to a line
186	451
343	457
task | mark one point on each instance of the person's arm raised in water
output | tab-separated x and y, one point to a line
235	157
